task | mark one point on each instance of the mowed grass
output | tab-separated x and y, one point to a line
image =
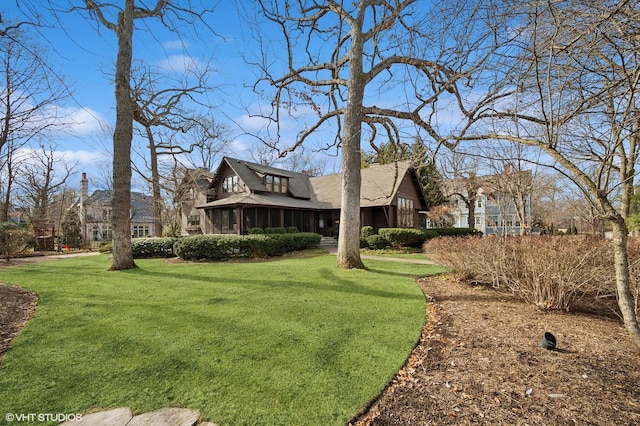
286	342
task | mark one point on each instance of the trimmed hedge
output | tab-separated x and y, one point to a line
403	237
377	242
455	232
367	231
223	247
153	247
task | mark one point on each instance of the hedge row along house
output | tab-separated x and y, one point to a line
241	195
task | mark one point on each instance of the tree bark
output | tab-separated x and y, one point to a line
623	281
123	134
349	232
155	185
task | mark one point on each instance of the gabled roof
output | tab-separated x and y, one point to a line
250	173
380	184
141	205
199	179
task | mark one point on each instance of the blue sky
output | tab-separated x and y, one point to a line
84	53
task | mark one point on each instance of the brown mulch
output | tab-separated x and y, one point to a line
16	308
480	361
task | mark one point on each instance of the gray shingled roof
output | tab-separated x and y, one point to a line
298	182
379	186
141	205
380	183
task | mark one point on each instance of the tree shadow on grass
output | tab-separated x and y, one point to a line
330	281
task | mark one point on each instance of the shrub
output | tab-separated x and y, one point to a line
292	230
377	242
253	231
14	239
552	272
222	247
456	232
152	247
363	243
367	231
105	247
403	237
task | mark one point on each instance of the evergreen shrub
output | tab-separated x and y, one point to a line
367	231
223	247
377	242
153	247
403	237
455	232
363	243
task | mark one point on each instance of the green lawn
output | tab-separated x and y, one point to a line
286	342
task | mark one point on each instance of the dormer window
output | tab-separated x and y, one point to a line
230	184
276	183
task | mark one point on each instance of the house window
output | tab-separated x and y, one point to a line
107	232
193	220
140	231
276	183
106	215
230	184
405	212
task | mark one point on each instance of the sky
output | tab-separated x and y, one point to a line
84	54
228	44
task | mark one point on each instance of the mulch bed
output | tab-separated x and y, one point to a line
480	361
16	308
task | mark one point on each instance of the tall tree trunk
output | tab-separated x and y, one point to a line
349	234
122	253
623	281
471	206
155	185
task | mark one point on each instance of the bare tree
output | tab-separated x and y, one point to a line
161	112
41	175
386	47
210	139
464	184
568	84
31	90
171	14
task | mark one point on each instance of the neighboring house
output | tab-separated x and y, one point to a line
95	213
192	192
494	203
243	195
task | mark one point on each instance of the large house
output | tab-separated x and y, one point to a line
241	195
496	200
95	213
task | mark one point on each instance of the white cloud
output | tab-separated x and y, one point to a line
174	45
180	64
85	121
83	158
